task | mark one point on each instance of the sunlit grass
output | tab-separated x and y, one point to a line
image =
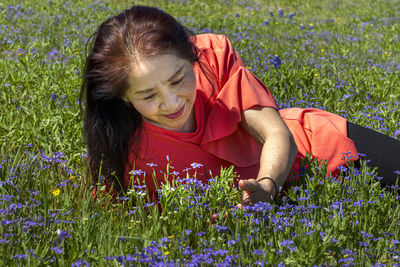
338	56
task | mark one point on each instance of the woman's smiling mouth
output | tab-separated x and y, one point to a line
176	114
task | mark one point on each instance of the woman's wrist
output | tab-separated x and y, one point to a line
273	182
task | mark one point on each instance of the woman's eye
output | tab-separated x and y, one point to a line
149	97
178	81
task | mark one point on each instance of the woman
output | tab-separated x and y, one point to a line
158	96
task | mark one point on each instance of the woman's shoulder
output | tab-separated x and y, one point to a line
210	40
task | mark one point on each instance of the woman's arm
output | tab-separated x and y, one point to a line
279	151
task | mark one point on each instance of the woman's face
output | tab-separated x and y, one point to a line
162	90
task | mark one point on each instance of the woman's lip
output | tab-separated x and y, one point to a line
176	114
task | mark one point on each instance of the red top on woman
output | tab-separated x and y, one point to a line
219	140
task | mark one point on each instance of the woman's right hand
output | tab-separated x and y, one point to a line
255	191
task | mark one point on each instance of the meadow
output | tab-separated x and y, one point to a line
341	56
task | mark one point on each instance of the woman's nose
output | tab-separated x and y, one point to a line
170	101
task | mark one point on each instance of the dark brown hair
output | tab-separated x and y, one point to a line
111	124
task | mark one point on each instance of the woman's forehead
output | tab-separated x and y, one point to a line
155	69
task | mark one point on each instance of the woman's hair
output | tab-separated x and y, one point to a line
111	124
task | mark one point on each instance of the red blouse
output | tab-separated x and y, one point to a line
219	140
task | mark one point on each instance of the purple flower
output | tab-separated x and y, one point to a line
395	242
187	232
80	263
231	242
151	165
196	165
364	244
20	256
54	96
342	168
221	228
63	234
258	252
276	62
348	259
56	250
136	172
289	244
53	53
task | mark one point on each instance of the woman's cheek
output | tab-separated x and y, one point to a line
145	109
190	84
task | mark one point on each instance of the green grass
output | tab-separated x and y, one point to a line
342	56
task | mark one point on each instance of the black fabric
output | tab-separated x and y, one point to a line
383	151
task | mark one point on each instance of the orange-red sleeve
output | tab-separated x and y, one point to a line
236	89
236	86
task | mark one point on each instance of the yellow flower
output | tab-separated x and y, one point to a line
310	24
56	192
373	67
71	177
171	236
252	13
276	23
166	253
77	52
322	50
316	74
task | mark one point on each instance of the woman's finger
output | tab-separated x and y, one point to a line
214	218
250	185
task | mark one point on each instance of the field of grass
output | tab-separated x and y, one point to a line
342	56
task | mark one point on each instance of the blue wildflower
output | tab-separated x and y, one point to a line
276	62
136	172
291	15
20	256
56	250
81	262
196	165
